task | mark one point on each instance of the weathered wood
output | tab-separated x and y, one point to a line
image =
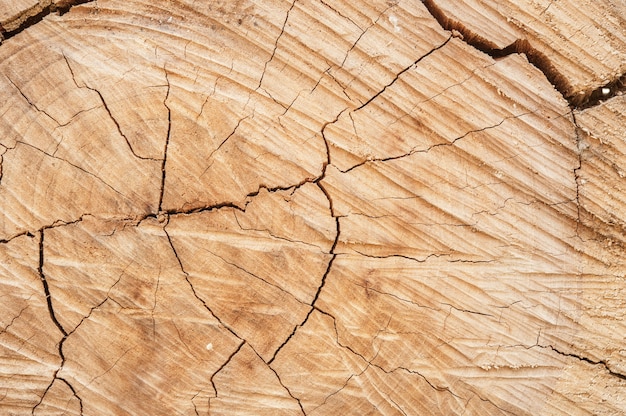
314	207
579	45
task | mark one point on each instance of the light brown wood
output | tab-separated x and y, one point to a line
312	207
579	44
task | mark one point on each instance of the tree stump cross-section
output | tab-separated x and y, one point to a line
312	207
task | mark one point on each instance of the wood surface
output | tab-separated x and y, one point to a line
313	207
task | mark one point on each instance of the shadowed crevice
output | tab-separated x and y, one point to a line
36	14
538	59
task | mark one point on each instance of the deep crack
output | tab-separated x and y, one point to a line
167	140
36	14
538	59
46	287
58	325
587	360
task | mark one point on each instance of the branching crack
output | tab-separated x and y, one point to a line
317	293
80	401
188	280
332	249
108	110
428	149
283	385
117	125
370	363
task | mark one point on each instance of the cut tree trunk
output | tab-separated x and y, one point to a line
312	207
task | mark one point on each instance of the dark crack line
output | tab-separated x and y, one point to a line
80	401
401	299
195	408
54	319
249	273
587	360
71	164
112	366
274	236
332	249
167	141
108	110
119	129
187	278
37	17
169	212
340	14
401	256
231	134
46	287
228	360
281	383
13	237
15	318
280	35
375	22
493	404
396	404
428	149
538	59
370	361
340	389
399	74
466	310
577	179
32	104
367	365
317	293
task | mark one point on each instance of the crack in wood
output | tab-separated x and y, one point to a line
36	14
399	74
228	360
167	141
538	59
428	149
282	30
54	319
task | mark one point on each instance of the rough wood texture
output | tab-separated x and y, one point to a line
579	45
312	207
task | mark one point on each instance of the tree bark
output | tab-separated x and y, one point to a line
312	207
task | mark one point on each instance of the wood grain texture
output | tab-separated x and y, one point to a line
580	45
312	207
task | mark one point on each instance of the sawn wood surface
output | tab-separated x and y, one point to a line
313	207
